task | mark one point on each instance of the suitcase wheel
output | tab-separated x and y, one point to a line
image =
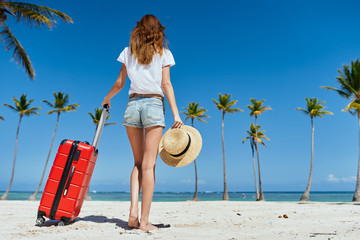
61	224
40	220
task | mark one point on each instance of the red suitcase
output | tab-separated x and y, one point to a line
69	179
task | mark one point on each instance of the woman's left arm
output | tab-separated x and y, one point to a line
118	85
170	96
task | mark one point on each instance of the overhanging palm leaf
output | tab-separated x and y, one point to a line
33	15
19	55
2	118
37	15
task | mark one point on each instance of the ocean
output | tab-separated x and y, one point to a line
207	196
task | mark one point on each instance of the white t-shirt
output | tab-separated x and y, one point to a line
146	79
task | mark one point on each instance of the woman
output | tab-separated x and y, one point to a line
147	62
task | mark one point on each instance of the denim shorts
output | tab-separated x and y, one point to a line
144	112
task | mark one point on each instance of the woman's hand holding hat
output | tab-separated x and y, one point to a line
180	146
178	123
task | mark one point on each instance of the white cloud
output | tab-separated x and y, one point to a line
189	181
186	181
333	179
349	179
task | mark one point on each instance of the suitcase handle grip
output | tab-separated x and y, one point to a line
100	126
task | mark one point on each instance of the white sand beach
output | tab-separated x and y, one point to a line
191	220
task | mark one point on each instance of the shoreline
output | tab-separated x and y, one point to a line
191	220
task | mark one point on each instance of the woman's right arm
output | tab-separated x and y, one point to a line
118	85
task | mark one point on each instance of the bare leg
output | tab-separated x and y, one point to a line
136	138
151	145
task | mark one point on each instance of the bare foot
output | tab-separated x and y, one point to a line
146	226
133	219
133	222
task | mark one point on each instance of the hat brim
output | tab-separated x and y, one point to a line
190	155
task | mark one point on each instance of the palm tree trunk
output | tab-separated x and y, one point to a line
305	196
225	195
33	196
253	158
261	197
356	197
4	197
196	178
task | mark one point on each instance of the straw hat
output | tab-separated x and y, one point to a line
180	146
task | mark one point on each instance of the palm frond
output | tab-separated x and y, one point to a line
202	120
48	103
257	107
106	124
19	54
70	108
51	112
37	15
11	107
340	92
91	115
314	108
2	118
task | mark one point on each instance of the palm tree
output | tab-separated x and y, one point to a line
2	118
31	14
256	109
96	120
313	109
193	112
349	81
21	107
252	138
225	105
60	105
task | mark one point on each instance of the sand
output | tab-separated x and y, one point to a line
190	220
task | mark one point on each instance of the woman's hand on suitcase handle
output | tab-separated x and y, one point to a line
106	101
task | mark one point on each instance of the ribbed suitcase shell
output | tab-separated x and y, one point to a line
69	205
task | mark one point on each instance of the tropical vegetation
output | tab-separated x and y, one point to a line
22	107
255	135
313	109
193	111
95	118
349	82
256	109
225	105
60	105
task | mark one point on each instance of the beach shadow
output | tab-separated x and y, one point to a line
50	223
120	223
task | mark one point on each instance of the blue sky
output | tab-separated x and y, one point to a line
281	51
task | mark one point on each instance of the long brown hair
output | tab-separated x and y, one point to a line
147	39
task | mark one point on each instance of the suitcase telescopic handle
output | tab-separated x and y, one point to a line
100	126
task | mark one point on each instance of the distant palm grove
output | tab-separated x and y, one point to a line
348	87
348	83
